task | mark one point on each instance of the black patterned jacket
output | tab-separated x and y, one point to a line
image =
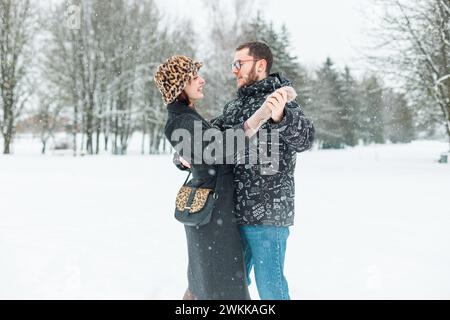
262	199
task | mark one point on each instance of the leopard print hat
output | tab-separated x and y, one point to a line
172	76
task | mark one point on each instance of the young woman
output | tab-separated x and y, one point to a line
216	267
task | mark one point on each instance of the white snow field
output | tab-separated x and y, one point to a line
371	223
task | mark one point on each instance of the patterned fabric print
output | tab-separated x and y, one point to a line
182	197
267	199
201	195
198	202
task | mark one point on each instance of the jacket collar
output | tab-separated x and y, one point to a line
180	107
264	86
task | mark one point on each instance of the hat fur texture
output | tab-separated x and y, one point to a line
174	75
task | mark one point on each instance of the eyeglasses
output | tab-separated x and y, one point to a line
238	63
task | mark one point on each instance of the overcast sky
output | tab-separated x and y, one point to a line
318	28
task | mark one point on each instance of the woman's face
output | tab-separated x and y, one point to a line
194	89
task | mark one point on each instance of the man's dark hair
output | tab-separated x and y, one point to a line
258	50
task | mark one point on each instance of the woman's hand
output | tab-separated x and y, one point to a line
257	119
184	162
276	102
273	107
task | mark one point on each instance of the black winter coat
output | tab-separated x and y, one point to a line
267	199
216	267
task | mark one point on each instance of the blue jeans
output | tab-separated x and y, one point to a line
264	248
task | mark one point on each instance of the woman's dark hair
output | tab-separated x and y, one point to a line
183	97
258	50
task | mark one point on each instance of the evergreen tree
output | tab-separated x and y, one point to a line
279	42
372	122
284	62
329	107
399	118
350	115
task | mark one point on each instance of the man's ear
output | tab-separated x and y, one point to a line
262	66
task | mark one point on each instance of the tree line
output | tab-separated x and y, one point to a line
85	67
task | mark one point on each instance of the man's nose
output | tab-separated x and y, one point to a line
235	71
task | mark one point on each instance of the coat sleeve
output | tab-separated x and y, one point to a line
218	122
296	130
198	142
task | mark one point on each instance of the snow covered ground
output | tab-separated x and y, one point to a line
371	223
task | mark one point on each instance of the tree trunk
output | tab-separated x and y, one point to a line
107	123
9	122
15	33
150	138
105	139
74	129
90	124
83	131
89	146
448	134
97	137
144	127
116	134
154	139
164	145
159	138
6	143
44	144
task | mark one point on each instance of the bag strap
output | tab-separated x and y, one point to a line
215	183
189	201
187	178
215	195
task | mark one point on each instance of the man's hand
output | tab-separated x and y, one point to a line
276	102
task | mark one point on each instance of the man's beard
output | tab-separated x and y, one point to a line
251	78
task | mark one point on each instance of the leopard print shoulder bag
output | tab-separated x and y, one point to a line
194	206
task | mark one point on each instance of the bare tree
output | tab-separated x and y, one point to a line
414	37
226	23
178	37
97	67
48	115
16	31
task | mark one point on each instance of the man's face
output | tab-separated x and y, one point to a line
246	75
